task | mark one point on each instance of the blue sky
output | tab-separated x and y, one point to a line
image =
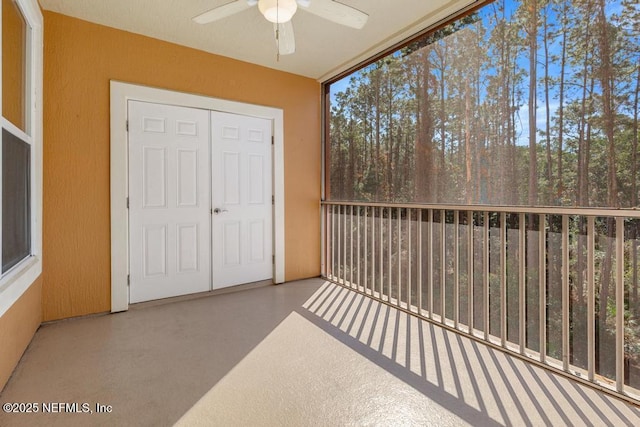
486	15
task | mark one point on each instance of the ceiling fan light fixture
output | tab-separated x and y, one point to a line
278	11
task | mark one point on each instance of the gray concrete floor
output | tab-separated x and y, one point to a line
305	353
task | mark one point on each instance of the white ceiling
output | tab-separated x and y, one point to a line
323	48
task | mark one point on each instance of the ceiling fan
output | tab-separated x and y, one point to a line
280	13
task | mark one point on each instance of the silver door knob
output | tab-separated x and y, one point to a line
218	210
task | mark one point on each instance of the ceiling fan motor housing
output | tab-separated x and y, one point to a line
278	11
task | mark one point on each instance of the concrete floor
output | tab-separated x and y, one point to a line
305	353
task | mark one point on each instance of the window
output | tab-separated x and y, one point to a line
14	56
515	103
16	158
16	203
20	149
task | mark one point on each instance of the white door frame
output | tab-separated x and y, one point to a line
121	93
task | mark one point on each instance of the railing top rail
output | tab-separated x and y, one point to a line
548	210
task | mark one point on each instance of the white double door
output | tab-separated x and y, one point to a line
200	200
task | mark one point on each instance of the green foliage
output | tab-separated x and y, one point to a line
446	118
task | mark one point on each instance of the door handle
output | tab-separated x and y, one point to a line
218	211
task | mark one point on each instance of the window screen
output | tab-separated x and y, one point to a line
16	200
14	65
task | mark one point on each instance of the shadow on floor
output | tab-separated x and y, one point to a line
479	384
306	353
151	364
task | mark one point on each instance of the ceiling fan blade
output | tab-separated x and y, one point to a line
285	38
223	11
335	12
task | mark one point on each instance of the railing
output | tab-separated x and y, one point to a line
556	286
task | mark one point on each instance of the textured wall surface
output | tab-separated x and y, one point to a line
17	327
21	321
80	59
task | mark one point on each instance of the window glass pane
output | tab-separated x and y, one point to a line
14	37
16	200
517	103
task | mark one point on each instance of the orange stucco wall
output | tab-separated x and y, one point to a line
80	59
20	322
17	327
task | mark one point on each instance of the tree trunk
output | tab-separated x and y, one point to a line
376	154
533	48
352	159
548	171
606	80
634	199
443	118
426	180
563	61
467	141
582	198
391	192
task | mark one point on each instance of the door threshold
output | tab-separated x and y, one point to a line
189	297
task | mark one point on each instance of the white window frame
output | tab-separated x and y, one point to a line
18	279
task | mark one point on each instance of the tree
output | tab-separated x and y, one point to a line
532	37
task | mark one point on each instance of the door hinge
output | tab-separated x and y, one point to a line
273	259
272	140
127	125
127	203
128	280
273	200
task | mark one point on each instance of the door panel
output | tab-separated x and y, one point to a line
256	241
154	185
230	244
256	179
231	178
155	250
187	178
169	201
188	239
241	191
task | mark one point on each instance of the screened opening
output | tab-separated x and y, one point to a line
498	130
517	103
